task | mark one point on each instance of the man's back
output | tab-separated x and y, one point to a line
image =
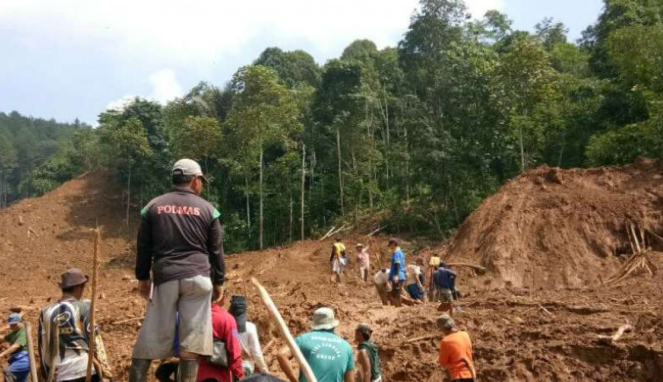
456	354
177	230
444	278
329	355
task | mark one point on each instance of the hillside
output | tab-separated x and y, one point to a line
519	334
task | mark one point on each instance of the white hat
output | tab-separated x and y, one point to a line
188	167
323	319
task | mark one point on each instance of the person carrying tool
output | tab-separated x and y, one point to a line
64	338
444	287
338	260
19	361
363	261
456	351
368	356
180	242
252	357
225	333
328	354
396	271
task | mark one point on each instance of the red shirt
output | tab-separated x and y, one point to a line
453	349
225	329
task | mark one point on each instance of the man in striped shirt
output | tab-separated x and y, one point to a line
64	338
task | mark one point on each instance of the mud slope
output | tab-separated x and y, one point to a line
553	228
519	335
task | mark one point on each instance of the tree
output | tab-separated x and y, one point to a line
8	161
197	138
263	113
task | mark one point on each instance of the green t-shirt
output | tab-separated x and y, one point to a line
18	337
329	355
374	357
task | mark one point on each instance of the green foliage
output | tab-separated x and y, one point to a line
411	137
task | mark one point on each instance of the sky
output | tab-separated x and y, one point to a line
68	59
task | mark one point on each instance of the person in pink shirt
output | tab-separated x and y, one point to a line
363	261
224	328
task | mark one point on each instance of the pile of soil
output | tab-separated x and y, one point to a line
518	334
554	228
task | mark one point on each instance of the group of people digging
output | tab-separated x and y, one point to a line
181	272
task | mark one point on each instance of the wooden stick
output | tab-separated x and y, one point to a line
283	328
31	353
327	234
635	238
91	338
376	231
426	337
475	267
55	349
655	235
620	332
127	320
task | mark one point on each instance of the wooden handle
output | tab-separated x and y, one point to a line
31	352
55	349
90	328
285	332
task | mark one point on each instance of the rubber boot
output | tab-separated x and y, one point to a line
188	370
138	370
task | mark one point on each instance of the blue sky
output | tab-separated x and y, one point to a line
65	59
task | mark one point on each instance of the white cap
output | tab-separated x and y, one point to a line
323	319
188	167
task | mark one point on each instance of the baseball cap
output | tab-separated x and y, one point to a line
188	167
14	318
72	278
324	319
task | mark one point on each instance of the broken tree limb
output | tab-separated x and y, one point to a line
283	329
327	234
635	238
127	320
618	334
31	352
376	231
426	337
478	268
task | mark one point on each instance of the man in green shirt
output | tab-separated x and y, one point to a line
368	358
19	362
328	355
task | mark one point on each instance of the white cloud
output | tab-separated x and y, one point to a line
478	8
201	32
165	86
121	104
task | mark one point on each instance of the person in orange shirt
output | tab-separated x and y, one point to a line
456	351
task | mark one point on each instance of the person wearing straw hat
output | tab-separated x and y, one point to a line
19	362
71	315
328	354
368	356
456	351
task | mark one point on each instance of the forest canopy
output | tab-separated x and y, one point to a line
411	137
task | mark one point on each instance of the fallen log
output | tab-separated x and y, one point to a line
477	268
127	320
376	231
426	337
327	234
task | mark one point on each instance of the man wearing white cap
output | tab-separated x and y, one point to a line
328	354
180	244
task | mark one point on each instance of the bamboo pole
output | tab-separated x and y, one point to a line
283	328
31	353
55	349
91	326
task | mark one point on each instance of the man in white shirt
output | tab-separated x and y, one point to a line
381	281
413	281
252	357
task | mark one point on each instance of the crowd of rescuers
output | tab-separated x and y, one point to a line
181	271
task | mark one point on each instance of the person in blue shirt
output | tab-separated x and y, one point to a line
396	271
444	287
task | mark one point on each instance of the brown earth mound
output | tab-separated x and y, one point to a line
519	335
553	228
